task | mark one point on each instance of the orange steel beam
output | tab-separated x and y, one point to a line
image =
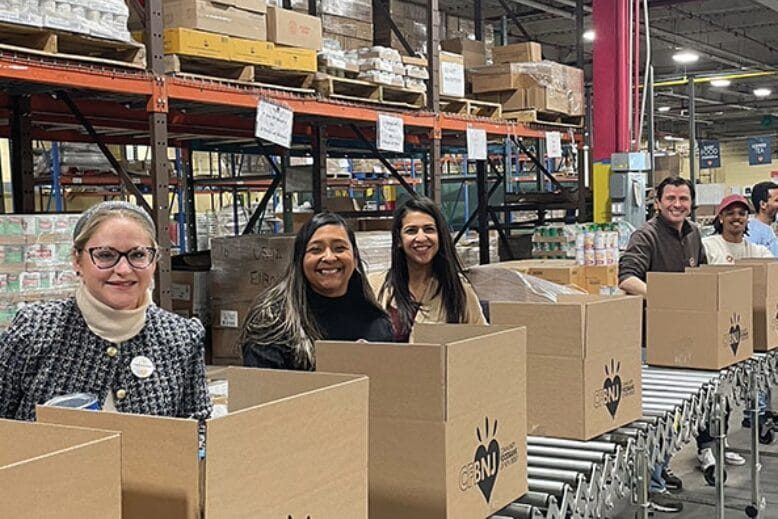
74	76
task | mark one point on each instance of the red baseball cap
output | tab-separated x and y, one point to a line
730	200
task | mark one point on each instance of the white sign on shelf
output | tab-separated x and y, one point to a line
554	145
452	79
476	144
274	123
391	133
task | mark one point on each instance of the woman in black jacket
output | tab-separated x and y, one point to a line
322	295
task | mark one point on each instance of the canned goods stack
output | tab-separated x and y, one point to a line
597	245
554	242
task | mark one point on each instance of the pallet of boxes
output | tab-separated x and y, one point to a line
529	88
458	57
239	40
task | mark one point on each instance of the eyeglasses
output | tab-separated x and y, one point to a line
108	257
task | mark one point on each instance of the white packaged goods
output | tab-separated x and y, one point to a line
417	85
20	11
415	72
383	78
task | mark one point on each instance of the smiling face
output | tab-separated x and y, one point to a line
770	206
733	221
122	287
329	261
675	204
420	240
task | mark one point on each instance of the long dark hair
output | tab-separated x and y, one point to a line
446	268
282	314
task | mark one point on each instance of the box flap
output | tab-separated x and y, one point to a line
21	441
613	324
698	289
160	466
317	436
428	333
765	280
255	6
485	369
552	328
250	387
75	482
406	380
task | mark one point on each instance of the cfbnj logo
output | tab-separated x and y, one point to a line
613	389
737	334
489	458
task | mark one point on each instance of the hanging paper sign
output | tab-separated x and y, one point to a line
710	154
554	145
391	134
274	123
476	144
760	151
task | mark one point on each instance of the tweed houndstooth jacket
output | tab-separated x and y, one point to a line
50	351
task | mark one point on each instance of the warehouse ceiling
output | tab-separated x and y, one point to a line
732	38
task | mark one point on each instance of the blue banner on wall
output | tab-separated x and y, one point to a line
760	150
710	154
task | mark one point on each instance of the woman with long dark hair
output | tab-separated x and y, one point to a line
425	282
322	295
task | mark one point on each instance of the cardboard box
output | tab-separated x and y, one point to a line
595	278
286	27
190	42
240	18
189	292
583	363
562	272
243	266
699	319
339	25
225	329
322	475
548	99
447	424
511	100
529	51
473	52
49	471
287	58
252	52
765	300
452	74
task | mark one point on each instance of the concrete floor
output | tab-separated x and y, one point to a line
700	499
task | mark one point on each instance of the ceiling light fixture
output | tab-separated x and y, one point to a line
685	57
720	83
674	139
663	109
588	35
762	92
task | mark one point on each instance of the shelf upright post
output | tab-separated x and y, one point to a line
433	98
56	172
190	216
157	109
180	190
319	150
483	213
22	179
692	137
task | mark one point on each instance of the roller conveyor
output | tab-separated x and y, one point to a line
569	478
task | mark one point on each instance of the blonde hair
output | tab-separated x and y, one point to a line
93	217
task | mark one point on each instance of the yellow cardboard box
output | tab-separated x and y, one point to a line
253	52
287	58
197	43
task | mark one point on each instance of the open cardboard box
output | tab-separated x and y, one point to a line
52	471
699	319
294	444
447	419
583	363
765	302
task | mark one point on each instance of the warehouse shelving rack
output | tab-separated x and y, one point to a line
48	98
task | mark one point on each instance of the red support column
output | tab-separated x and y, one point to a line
611	79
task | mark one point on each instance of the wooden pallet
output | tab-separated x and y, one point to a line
347	89
403	97
339	72
72	46
272	78
180	64
550	118
473	107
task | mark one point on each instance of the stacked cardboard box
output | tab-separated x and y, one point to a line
583	363
349	22
411	19
288	28
239	18
542	85
473	52
241	268
35	260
